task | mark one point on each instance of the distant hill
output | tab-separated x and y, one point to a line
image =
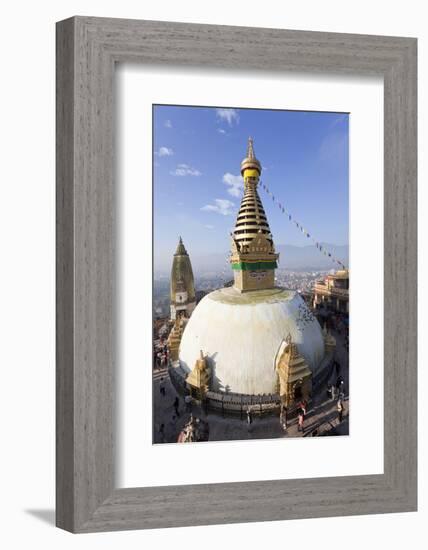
304	257
291	257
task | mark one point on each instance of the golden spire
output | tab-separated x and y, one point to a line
253	255
251	220
250	148
250	166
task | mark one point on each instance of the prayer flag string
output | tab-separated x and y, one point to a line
291	218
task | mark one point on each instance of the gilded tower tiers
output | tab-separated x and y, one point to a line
253	256
183	299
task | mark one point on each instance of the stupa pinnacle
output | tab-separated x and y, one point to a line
253	256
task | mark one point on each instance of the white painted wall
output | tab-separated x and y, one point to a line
27	274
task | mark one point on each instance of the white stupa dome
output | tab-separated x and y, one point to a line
241	334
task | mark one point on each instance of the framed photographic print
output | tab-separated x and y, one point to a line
236	274
237	334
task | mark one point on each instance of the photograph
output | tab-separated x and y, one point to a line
250	274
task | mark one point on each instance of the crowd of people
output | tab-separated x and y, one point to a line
194	430
160	353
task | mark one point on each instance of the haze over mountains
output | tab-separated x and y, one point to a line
305	257
298	258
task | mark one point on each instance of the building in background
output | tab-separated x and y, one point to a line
332	293
182	290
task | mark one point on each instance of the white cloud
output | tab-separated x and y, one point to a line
338	120
221	131
334	147
167	124
208	226
230	116
164	152
224	207
235	183
185	170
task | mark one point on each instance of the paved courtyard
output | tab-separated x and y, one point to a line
321	419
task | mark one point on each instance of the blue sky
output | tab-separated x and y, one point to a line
197	185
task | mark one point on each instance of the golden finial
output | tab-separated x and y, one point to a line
250	161
181	250
250	148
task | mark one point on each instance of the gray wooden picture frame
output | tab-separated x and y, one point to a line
87	50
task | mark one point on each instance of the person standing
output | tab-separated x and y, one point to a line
176	404
283	418
304	406
162	387
340	410
249	418
340	383
300	419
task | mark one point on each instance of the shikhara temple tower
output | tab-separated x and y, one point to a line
183	299
253	256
